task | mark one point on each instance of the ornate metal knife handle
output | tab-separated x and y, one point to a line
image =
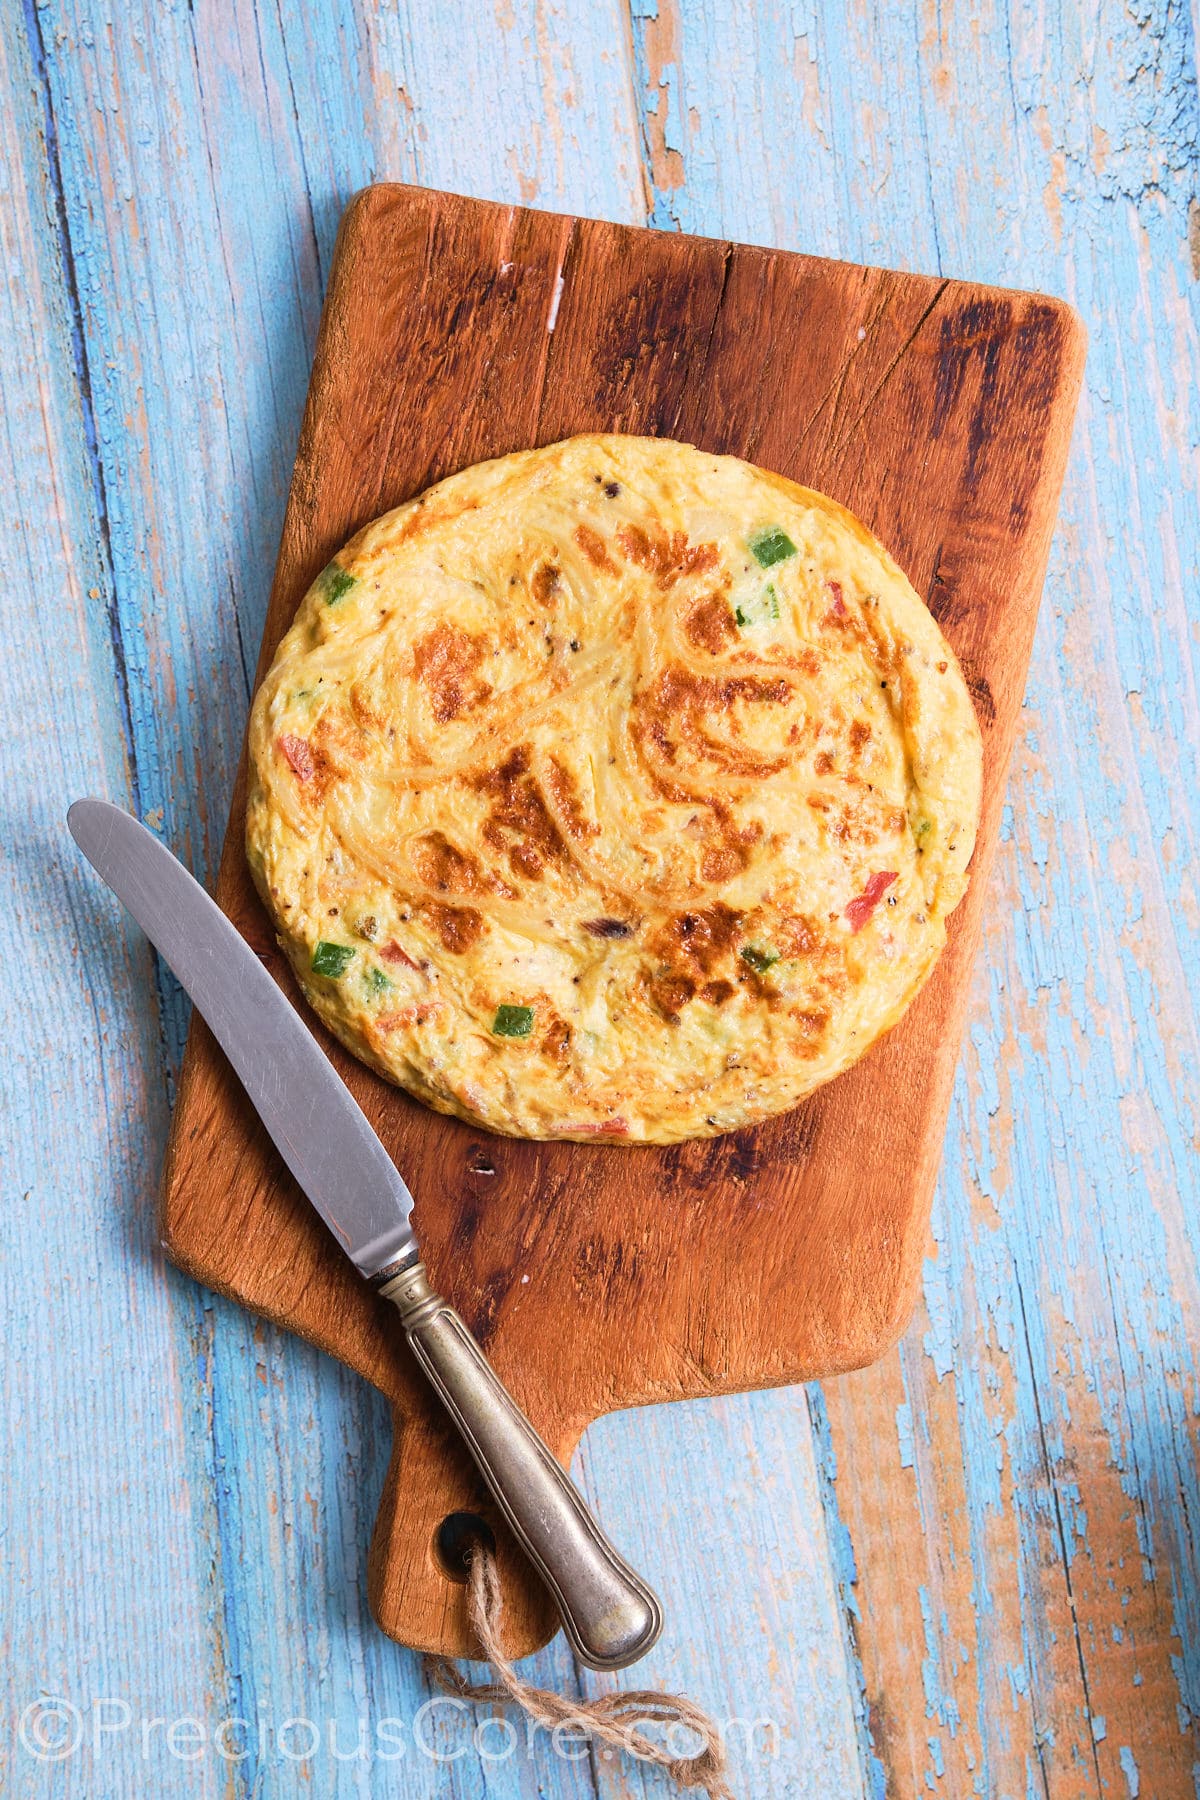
609	1614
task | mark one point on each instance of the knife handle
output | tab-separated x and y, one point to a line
609	1614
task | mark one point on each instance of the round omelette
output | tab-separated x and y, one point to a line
612	790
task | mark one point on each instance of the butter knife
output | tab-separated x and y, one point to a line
610	1616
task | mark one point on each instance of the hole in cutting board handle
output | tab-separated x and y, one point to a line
453	1539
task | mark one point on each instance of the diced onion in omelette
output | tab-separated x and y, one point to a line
612	791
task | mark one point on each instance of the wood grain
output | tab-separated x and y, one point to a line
940	412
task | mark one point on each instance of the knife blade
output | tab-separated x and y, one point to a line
610	1615
319	1128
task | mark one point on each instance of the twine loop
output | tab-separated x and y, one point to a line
614	1718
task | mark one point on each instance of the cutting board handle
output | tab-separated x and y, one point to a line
608	1613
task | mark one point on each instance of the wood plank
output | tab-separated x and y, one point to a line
436	337
91	1339
737	1502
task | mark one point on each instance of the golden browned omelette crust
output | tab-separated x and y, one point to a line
612	789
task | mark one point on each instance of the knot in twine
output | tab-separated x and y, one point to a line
613	1718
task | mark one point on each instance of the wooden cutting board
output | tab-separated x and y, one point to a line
608	1276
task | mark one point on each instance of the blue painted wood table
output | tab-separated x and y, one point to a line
971	1570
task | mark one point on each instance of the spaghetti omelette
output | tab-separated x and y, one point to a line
612	790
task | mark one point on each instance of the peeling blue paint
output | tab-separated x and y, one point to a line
841	1550
1129	1769
904	1433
